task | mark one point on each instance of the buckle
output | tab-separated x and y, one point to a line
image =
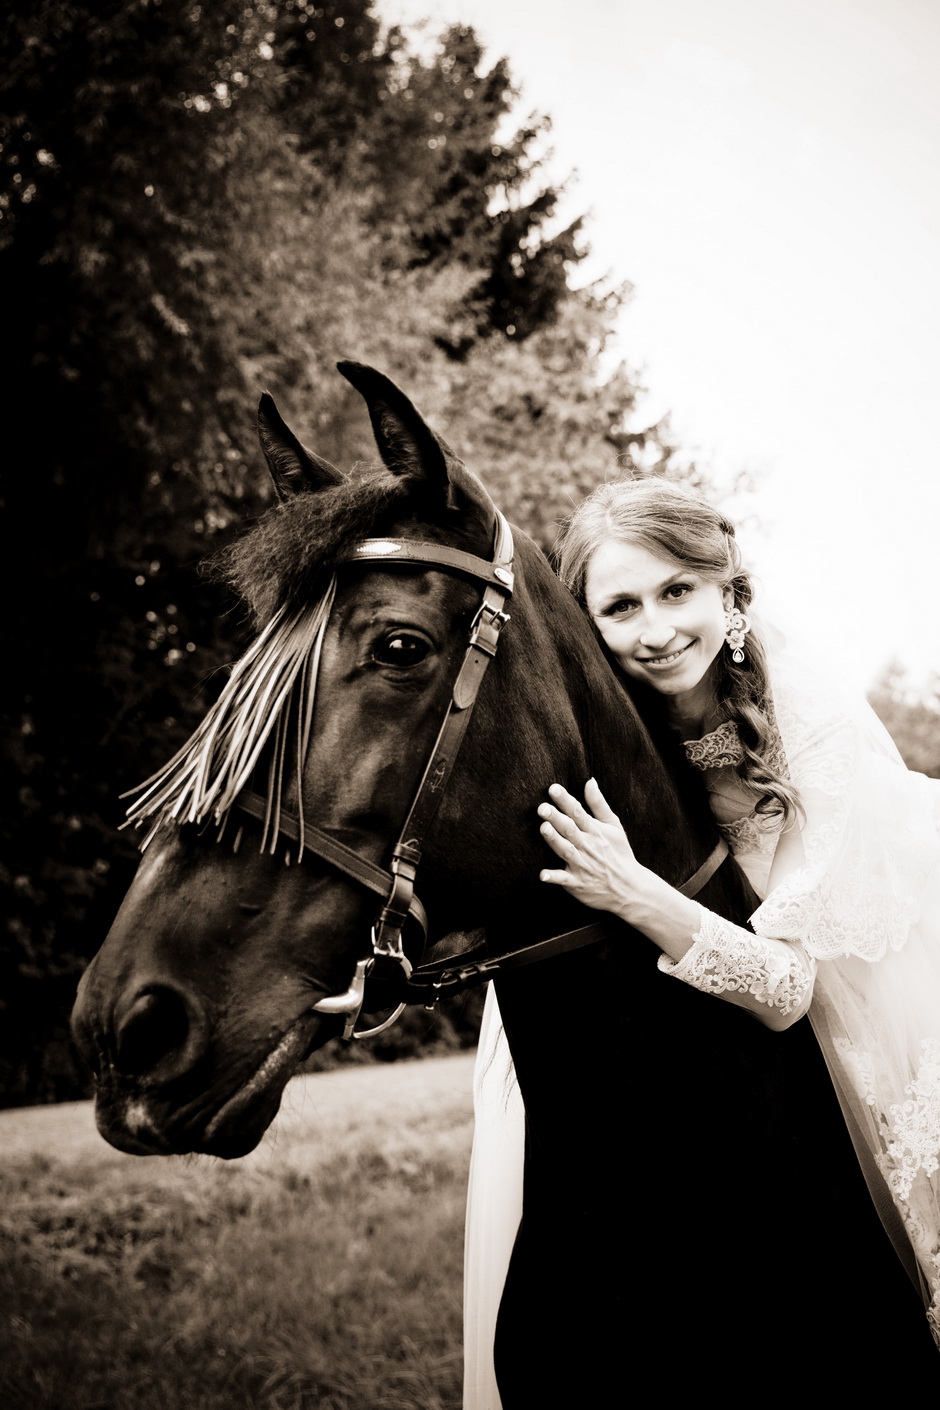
487	625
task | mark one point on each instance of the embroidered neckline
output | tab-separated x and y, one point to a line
717	750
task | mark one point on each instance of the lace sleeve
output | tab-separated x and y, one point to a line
728	960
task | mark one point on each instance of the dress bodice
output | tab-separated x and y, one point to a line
751	836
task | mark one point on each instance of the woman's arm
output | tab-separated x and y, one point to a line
772	979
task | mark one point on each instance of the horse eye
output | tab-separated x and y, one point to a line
401	649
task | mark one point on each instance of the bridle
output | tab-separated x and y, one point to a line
396	884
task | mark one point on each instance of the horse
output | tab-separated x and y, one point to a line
375	740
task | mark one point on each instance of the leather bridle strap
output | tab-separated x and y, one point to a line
396	885
324	845
454	973
497	579
706	871
498	573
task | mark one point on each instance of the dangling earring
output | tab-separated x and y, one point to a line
737	627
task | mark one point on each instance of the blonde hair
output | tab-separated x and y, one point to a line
674	522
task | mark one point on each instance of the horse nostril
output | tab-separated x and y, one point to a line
161	1030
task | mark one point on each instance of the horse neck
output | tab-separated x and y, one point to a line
551	711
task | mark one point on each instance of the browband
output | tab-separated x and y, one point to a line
497	574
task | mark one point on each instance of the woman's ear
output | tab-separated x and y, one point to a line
727	596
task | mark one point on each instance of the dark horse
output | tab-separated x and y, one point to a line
682	1161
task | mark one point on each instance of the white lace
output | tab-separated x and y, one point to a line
717	750
725	958
856	885
859	885
755	832
870	834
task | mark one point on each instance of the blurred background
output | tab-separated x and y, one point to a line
694	239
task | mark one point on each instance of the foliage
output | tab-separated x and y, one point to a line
911	717
324	1271
197	202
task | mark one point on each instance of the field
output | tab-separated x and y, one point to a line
323	1270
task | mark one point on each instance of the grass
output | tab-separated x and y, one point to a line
322	1271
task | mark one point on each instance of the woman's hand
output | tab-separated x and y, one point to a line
600	868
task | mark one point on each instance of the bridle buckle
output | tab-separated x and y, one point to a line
487	625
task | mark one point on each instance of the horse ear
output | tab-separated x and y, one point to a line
407	444
293	467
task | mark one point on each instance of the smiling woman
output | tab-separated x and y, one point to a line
838	839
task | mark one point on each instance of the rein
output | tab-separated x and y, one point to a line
396	885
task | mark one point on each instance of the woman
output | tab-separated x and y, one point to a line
839	840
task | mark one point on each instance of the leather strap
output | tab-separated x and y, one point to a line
324	845
449	975
706	871
497	579
438	555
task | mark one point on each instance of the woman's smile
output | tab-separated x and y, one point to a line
664	660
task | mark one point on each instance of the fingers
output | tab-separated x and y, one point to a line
556	878
566	803
560	845
592	844
556	825
597	803
566	807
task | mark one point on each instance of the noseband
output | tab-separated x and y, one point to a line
396	885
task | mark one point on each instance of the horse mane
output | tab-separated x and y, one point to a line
627	744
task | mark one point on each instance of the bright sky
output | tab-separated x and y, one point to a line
766	173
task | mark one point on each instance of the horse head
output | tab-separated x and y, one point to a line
201	1001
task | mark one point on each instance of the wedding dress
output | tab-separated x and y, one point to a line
851	904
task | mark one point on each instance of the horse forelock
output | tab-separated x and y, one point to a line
286	559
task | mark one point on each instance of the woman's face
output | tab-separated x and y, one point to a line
664	624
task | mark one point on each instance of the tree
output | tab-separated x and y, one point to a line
423	134
911	717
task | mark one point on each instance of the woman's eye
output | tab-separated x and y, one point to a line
678	590
401	649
